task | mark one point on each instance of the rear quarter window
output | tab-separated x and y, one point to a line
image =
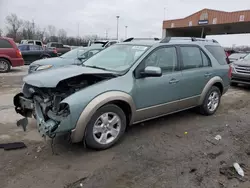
218	53
5	44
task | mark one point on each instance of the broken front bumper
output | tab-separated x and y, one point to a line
47	126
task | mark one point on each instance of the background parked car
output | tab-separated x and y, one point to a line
236	56
241	71
10	55
103	43
60	48
76	57
32	53
34	42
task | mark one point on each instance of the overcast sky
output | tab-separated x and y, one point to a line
143	17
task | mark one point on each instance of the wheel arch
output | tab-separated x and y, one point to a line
121	99
7	59
215	81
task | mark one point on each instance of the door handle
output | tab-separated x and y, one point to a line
173	81
208	74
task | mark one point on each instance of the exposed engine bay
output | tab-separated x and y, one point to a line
45	103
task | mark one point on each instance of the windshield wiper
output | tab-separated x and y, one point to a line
95	67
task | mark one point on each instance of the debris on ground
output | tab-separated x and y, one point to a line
218	137
215	155
230	173
76	184
238	169
193	170
39	149
13	146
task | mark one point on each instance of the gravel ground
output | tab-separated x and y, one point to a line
156	154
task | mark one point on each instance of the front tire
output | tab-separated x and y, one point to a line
4	65
211	101
105	128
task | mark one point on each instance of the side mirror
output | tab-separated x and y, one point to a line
151	71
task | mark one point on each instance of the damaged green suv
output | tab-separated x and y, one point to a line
127	83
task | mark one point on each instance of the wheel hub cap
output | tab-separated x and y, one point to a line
106	128
213	101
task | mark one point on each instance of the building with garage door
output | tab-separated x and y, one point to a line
208	22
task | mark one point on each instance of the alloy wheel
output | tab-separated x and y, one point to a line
3	66
213	101
106	128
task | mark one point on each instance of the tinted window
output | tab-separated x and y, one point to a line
191	57
218	53
59	45
38	43
23	47
30	42
206	60
166	58
5	44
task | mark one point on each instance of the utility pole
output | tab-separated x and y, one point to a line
106	33
164	13
33	28
117	32
126	27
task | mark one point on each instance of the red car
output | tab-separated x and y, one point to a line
10	55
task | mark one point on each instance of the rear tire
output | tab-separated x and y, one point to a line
5	65
211	102
105	128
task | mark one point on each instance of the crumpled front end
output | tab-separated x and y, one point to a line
47	108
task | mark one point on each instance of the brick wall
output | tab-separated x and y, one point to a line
220	16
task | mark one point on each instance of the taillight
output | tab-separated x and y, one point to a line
55	51
230	72
18	53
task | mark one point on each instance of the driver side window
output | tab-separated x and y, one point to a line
165	58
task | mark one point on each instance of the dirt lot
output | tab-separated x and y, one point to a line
156	154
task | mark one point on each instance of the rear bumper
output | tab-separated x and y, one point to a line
17	62
240	78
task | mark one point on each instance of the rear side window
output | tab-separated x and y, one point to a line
59	45
191	57
38	43
5	44
218	53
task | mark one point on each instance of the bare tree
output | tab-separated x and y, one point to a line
51	30
13	25
62	35
28	30
1	32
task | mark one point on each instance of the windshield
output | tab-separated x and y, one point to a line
247	57
73	54
117	58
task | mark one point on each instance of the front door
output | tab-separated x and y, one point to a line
197	71
156	96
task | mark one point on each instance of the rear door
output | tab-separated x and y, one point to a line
197	70
6	49
35	52
25	52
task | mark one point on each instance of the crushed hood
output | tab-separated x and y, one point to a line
242	62
51	78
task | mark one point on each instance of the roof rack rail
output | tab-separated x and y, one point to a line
168	39
132	38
